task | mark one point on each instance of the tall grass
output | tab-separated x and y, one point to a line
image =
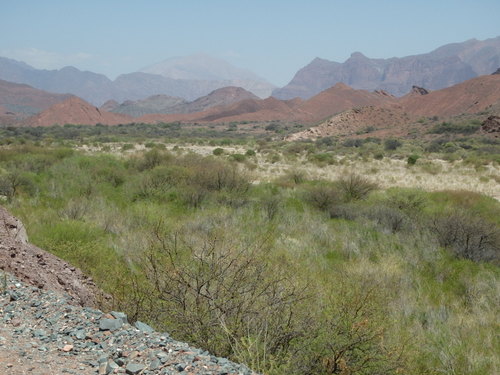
292	276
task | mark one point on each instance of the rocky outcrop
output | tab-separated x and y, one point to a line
419	90
40	268
491	126
496	71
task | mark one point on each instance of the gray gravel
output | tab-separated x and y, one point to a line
42	322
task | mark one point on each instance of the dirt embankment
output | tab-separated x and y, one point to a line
40	268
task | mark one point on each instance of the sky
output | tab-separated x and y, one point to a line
274	39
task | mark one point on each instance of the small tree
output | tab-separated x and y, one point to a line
222	295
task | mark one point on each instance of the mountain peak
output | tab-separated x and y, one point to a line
200	67
358	55
443	67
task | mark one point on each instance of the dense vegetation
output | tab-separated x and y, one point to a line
294	276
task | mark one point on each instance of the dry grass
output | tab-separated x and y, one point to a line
427	174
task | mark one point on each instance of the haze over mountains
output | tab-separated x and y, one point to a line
443	67
192	77
207	74
170	92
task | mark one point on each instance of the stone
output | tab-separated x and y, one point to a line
80	334
110	324
120	315
67	348
155	364
134	368
102	368
111	366
143	327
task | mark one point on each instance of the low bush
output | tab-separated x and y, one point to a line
392	144
355	187
468	236
322	196
218	151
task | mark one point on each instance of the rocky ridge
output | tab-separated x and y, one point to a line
445	66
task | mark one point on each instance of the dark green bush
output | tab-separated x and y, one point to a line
218	151
240	158
392	144
412	159
451	128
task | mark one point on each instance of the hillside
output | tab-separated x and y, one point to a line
370	120
443	67
163	104
340	98
25	100
76	111
152	104
472	96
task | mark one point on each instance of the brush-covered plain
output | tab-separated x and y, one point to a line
293	258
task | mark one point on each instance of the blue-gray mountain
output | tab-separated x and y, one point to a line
206	76
443	67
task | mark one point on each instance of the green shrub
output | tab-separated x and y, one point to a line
322	196
392	144
240	158
412	159
355	187
218	151
451	128
127	146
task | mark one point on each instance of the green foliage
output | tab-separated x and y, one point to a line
291	277
218	151
392	144
221	293
355	187
240	158
451	128
412	159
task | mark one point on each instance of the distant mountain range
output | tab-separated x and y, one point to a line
443	67
351	108
163	104
200	76
192	77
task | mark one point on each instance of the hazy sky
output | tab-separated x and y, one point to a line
272	38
